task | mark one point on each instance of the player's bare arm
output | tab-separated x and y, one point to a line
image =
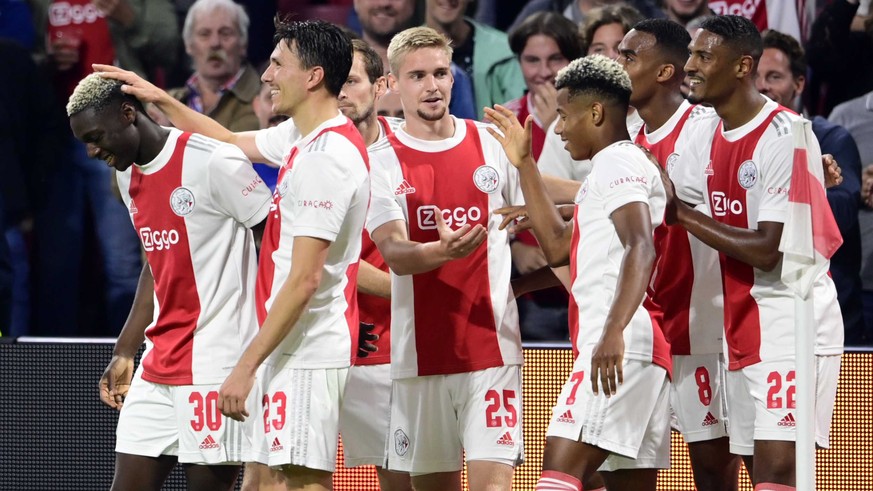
536	280
516	217
552	232
634	228
405	256
182	116
115	381
758	248
307	259
373	281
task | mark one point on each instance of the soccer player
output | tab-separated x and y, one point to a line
308	265
365	408
192	200
740	166
612	413
455	346
685	284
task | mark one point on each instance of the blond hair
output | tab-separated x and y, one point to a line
412	39
595	74
93	91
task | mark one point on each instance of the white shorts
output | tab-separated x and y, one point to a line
299	420
633	424
762	406
484	406
181	420
697	397
364	415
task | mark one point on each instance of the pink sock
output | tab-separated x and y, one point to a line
558	481
769	486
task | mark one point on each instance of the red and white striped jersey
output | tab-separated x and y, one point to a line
745	182
460	317
685	284
192	207
621	174
377	310
275	143
322	192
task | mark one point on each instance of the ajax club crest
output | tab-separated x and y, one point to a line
486	178
182	201
747	176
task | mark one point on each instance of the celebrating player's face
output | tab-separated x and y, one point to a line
571	126
358	95
424	81
708	68
638	57
108	135
286	78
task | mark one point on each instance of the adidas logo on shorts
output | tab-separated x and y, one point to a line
567	417
709	420
208	443
506	439
788	420
276	446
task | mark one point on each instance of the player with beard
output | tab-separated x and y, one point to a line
456	350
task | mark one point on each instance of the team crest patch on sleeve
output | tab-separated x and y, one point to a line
671	162
401	443
182	201
748	174
583	191
486	178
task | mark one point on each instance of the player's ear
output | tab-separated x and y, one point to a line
381	86
745	66
666	72
597	113
128	112
316	76
392	82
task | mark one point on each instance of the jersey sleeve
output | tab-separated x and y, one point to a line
323	189
275	143
776	166
624	179
236	188
384	207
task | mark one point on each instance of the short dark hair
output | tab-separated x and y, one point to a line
551	24
737	32
792	49
625	15
319	43
595	75
372	60
671	38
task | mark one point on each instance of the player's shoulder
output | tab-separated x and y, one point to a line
392	123
700	113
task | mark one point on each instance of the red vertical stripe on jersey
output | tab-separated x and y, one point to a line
375	310
573	309
742	321
454	318
674	275
165	239
352	317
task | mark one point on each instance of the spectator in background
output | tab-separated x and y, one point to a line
481	52
578	10
544	43
839	51
380	20
605	27
137	34
223	85
781	77
684	11
389	105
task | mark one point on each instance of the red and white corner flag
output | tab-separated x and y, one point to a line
810	235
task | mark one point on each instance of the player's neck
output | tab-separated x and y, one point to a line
611	133
369	129
153	137
659	109
740	108
315	110
430	130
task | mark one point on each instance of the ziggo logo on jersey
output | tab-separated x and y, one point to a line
158	239
459	216
722	205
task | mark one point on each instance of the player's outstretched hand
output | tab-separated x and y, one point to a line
115	381
459	243
233	394
515	217
833	174
607	363
544	98
366	338
134	85
513	137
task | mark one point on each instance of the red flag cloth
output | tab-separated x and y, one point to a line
810	235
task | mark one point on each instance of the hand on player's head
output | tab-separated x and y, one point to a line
134	85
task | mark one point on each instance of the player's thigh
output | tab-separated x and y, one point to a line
211	477
147	423
485	475
137	472
697	397
207	437
364	415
